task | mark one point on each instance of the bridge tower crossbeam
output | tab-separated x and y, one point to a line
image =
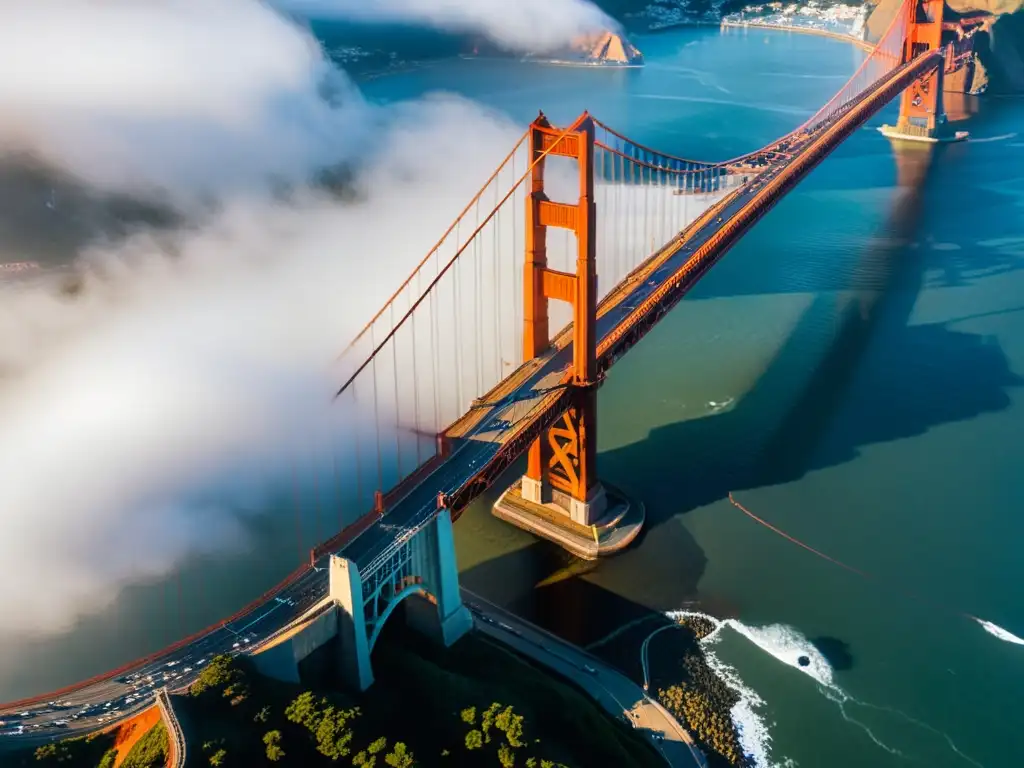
561	469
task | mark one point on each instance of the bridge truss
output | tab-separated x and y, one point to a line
454	377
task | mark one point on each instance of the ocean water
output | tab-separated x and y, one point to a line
852	372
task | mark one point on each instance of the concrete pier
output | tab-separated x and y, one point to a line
422	574
620	522
900	132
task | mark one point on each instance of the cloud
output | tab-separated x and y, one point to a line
524	25
145	416
228	93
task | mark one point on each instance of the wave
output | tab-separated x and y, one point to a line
783	643
1003	634
792	648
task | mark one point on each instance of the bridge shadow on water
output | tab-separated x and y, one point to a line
921	376
970	229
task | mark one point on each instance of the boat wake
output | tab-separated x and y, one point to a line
989	139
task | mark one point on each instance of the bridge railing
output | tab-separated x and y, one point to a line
449	335
646	314
883	59
135	664
453	331
885	56
175	735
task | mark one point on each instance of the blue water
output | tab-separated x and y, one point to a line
866	342
853	371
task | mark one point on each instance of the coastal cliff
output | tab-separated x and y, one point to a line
998	65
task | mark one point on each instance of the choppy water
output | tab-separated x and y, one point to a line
852	372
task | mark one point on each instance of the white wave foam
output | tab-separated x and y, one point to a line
788	646
781	642
997	631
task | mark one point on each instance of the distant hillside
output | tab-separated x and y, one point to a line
999	46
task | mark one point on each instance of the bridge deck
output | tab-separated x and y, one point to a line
490	436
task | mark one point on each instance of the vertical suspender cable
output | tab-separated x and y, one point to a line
296	504
417	426
398	418
358	428
376	414
457	330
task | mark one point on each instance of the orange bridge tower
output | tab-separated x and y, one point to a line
922	114
560	496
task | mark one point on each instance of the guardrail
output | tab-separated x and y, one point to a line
176	757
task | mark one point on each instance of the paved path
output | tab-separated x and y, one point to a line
177	756
607	686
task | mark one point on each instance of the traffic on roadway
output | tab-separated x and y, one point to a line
100	703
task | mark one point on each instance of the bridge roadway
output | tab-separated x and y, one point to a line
528	399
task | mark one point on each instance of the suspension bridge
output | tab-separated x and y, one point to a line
494	348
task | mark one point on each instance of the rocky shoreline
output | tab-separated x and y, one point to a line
683	681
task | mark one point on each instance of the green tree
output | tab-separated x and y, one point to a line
151	750
399	757
506	756
109	758
334	733
218	758
223	674
216	675
272	740
304	711
468	715
474	739
487	721
511	724
367	758
56	752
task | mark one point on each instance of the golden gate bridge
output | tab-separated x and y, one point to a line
495	345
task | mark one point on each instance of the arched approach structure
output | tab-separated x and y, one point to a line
417	569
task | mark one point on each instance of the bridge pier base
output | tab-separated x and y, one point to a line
941	133
423	576
612	519
439	613
922	113
586	513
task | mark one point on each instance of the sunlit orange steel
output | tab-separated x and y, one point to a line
559	433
